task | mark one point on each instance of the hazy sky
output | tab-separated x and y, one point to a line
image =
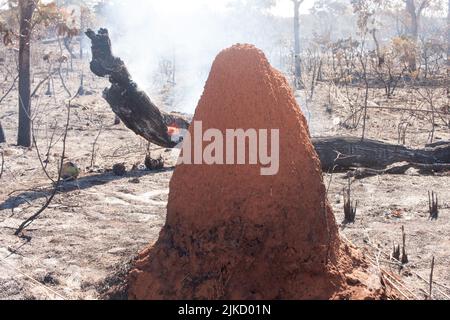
191	33
283	8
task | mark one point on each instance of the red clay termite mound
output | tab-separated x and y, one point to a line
232	233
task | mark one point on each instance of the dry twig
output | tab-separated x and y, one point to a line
31	219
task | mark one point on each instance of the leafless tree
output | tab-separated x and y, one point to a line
297	47
448	46
414	10
26	8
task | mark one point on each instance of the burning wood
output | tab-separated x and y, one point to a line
130	104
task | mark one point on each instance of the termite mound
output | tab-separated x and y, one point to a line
232	233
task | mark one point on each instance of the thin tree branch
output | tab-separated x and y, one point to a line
9	90
3	164
31	219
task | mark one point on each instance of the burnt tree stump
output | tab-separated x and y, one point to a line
2	134
128	102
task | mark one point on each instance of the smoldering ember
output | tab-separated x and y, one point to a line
236	146
227	150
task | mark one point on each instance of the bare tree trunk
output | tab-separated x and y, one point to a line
26	13
413	29
448	46
366	96
380	56
414	10
297	50
67	44
81	32
448	34
413	25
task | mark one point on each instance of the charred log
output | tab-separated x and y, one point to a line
130	104
340	153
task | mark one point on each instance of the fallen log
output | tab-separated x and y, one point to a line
144	118
341	153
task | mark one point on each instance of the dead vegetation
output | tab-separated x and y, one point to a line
350	207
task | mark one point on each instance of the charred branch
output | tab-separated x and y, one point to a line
128	102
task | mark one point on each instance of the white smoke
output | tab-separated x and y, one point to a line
189	33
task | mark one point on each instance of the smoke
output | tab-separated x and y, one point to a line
169	45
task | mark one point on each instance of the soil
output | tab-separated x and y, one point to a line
80	245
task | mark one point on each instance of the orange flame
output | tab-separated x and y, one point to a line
173	130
